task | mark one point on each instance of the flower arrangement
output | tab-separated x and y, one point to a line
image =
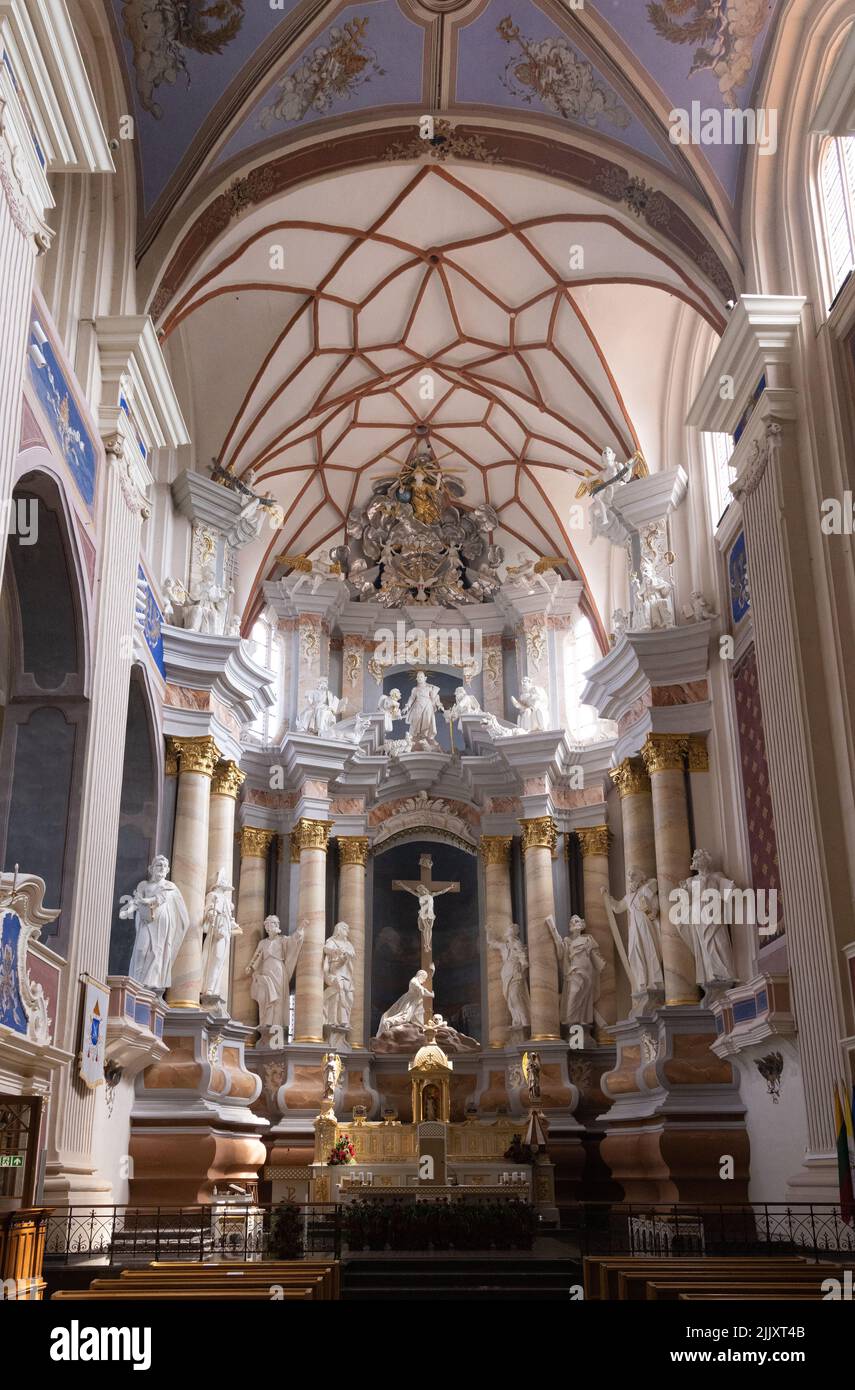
342	1151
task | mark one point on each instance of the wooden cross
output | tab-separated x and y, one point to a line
435	887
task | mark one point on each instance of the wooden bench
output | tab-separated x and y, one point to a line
602	1273
671	1290
142	1294
632	1283
237	1279
330	1269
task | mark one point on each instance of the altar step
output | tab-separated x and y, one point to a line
436	1276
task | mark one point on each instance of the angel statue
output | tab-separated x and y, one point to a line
528	574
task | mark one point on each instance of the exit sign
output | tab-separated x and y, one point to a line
11	1160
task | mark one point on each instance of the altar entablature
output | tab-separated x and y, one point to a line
214	688
452	820
653	682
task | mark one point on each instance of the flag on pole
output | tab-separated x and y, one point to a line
845	1152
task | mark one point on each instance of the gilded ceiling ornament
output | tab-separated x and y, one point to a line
664	752
722	34
353	849
241	194
539	832
447	142
228	779
197	754
534	642
161	32
493	666
352	665
254	842
496	849
328	74
630	777
593	839
312	834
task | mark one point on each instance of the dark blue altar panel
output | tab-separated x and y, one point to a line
404	681
395	950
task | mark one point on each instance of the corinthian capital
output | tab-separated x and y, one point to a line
255	843
312	834
539	833
352	849
664	752
197	754
496	849
593	839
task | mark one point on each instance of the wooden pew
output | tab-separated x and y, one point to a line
142	1294
770	1290
237	1279
601	1273
331	1269
779	1297
632	1283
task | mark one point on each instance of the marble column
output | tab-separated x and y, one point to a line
594	844
225	785
254	848
663	757
352	858
71	1170
313	838
17	260
539	837
498	913
636	808
197	758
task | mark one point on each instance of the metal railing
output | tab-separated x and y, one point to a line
136	1235
816	1229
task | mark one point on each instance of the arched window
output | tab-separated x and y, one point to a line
837	188
582	652
718	449
267	649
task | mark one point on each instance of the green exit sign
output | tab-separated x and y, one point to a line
11	1160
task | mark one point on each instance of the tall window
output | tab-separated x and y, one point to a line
719	448
837	186
267	649
581	652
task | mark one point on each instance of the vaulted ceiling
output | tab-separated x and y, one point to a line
330	286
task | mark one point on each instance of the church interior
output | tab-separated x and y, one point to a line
427	787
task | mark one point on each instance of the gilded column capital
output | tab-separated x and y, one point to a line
352	849
496	849
255	843
630	777
170	758
697	755
312	834
228	779
539	832
664	752
197	754
593	839
294	842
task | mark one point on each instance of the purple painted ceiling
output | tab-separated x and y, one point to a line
197	66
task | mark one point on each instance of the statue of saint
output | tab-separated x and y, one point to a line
161	923
514	971
321	710
271	969
420	714
410	1008
652	606
533	706
581	965
339	957
644	948
706	932
218	927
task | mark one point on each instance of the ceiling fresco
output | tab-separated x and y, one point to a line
215	79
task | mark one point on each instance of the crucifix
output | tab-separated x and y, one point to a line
425	889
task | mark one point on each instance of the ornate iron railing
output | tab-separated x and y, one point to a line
747	1228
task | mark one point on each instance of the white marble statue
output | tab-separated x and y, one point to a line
620	622
394	747
464	703
652	608
420	714
354	734
581	966
271	969
531	1071
497	730
533	707
209	608
707	933
427	914
644	946
524	575
390	707
218	927
698	610
320	569
320	711
176	601
410	1008
332	1072
613	476
338	964
515	988
161	924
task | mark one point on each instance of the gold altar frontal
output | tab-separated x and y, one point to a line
389	1150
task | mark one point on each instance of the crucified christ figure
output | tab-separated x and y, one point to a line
427	915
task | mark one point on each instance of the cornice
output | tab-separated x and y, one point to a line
759	339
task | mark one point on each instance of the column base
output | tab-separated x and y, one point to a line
192	1126
816	1181
675	1131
